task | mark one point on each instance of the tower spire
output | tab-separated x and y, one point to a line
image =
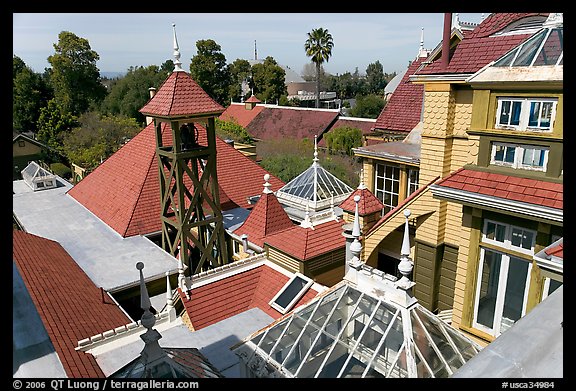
405	266
177	63
255	52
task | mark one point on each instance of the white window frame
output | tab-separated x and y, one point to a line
525	105
295	298
519	149
507	243
386	180
495	330
546	287
412	184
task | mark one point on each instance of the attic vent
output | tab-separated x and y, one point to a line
38	178
524	26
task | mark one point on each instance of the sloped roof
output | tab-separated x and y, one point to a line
284	122
526	190
239	112
236	293
307	243
481	46
124	191
180	96
404	108
364	124
267	217
68	302
368	203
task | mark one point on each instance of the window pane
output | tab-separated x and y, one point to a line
516	108
510	151
534	114
488	288
505	113
514	296
553	286
499	154
495	231
546	116
521	238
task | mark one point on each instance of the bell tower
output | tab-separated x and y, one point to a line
184	120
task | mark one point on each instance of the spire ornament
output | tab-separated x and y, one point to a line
177	63
406	265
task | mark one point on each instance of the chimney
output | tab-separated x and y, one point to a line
446	40
152	91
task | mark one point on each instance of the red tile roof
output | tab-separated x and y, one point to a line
479	48
240	292
267	217
124	191
404	108
532	191
239	112
68	302
253	99
282	122
368	203
556	251
180	96
306	243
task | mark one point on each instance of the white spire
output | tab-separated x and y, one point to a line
405	266
169	301
307	223
177	63
355	246
267	184
362	186
315	148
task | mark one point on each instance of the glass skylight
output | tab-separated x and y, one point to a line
348	333
546	47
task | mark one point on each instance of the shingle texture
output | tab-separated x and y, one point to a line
180	96
532	191
368	203
230	296
238	112
68	302
479	47
124	191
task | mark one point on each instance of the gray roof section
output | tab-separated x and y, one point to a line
531	348
391	86
33	354
214	342
105	256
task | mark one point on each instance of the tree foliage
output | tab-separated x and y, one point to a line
368	106
75	77
268	80
53	123
130	93
232	130
318	47
208	68
375	78
240	73
29	94
343	139
97	137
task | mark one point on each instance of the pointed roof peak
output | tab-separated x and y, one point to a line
177	63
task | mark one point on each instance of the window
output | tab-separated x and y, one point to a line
503	279
527	157
536	114
550	286
413	175
387	185
21	143
290	293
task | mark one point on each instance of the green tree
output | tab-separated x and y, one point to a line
208	68
75	77
375	78
343	139
53	123
130	93
269	80
29	94
231	129
240	72
368	106
318	47
97	137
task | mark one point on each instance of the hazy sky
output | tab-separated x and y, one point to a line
141	39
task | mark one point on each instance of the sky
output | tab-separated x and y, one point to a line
123	40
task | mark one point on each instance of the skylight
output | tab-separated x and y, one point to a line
291	293
38	178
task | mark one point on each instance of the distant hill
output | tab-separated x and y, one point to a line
112	75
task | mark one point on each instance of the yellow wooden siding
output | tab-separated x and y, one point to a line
462	112
331	277
283	260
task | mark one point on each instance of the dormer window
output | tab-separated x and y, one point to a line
528	157
532	114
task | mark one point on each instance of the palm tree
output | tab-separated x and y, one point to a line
319	47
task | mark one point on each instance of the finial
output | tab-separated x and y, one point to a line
355	246
405	266
315	148
422	52
457	20
177	63
307	223
362	186
148	319
255	52
169	301
267	184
